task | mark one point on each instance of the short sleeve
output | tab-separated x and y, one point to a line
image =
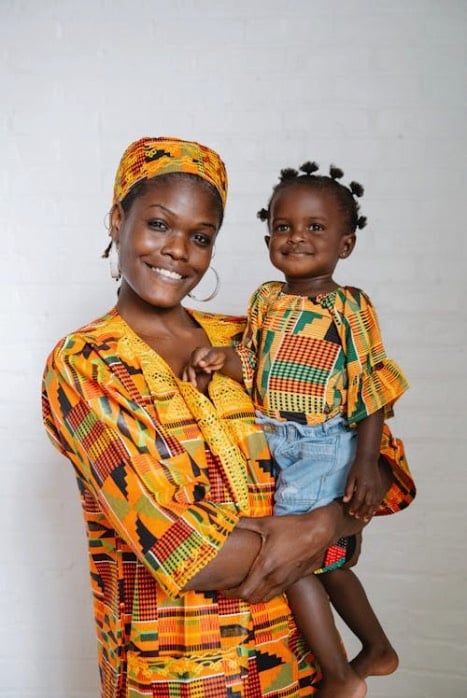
374	380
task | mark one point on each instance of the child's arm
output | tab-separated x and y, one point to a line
364	479
209	359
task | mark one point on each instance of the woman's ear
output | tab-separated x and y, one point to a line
347	244
117	217
267	240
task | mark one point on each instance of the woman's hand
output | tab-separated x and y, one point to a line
292	547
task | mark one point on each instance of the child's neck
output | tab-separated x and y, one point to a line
309	287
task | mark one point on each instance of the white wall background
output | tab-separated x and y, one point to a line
376	87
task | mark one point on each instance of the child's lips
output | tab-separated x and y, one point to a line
296	253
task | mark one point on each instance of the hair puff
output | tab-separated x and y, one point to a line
335	172
309	167
288	173
356	189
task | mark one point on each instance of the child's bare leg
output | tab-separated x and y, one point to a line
313	615
377	657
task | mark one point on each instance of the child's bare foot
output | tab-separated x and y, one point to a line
375	661
352	687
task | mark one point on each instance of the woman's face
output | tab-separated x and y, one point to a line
165	240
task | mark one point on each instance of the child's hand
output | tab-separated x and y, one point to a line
363	489
203	360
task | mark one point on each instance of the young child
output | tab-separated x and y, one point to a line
313	359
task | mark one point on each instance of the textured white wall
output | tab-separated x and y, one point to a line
376	87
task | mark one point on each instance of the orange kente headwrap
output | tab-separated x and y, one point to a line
151	157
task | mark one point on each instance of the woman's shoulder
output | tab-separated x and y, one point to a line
103	330
219	325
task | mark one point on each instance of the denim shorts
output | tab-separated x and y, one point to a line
311	462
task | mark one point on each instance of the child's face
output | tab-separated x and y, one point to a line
308	234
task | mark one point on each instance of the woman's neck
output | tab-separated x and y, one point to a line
171	332
151	321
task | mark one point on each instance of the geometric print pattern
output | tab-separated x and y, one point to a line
307	359
147	158
164	473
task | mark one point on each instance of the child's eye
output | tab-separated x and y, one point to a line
316	227
281	228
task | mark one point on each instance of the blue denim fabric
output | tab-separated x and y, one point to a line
312	462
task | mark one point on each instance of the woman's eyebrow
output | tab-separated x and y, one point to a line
164	208
168	210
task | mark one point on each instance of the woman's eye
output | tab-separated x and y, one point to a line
202	239
157	225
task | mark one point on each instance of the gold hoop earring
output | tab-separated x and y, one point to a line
211	295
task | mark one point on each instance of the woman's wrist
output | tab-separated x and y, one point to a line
325	524
330	523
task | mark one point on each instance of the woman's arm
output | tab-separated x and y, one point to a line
292	547
231	564
262	557
289	547
144	482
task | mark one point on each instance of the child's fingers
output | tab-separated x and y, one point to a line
357	504
189	374
199	357
364	507
349	490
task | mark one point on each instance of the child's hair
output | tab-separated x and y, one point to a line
346	196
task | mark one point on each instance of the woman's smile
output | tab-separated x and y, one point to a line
165	243
166	273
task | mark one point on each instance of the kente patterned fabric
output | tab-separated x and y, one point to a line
308	359
150	157
164	474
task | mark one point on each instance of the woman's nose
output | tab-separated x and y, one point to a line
175	245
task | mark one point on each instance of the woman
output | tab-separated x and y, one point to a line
175	483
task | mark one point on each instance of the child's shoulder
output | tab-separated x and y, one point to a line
270	286
353	298
220	327
266	291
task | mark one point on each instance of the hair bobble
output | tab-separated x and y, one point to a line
308	175
288	173
309	167
356	189
335	172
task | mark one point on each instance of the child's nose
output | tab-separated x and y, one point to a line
297	233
